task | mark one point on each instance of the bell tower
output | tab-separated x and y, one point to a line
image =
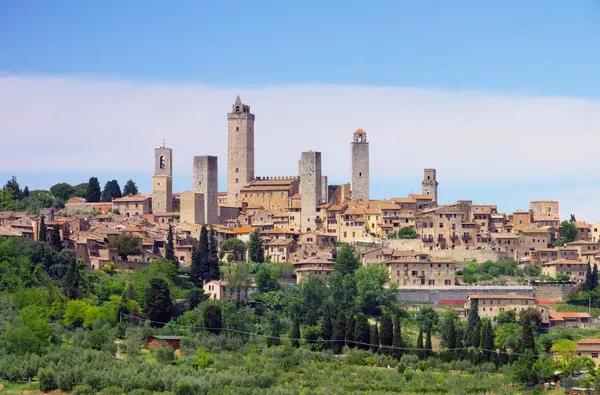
240	150
162	182
360	166
430	184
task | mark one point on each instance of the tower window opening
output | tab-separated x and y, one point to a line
429	177
237	109
161	162
237	128
236	180
360	173
237	170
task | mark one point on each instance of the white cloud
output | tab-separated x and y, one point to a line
56	124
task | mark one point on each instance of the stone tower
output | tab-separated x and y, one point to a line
192	207
206	181
310	189
162	182
359	182
430	184
240	150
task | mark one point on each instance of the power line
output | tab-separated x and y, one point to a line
146	320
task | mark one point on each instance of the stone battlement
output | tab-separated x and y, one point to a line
276	178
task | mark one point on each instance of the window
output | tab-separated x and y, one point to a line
237	170
236	180
594	355
360	174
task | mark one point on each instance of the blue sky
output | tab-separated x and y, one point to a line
545	50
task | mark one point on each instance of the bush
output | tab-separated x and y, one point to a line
139	391
164	354
111	391
47	380
357	357
203	359
83	389
186	387
65	380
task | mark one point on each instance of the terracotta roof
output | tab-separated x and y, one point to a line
492	296
589	341
420	196
582	225
280	242
554	315
563	262
131	198
504	236
279	231
243	230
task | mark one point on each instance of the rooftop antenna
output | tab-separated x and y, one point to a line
163	145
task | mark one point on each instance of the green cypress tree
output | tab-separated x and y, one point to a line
202	266
274	335
170	247
130	188
158	306
487	341
42	230
472	321
477	335
428	345
350	327
374	339
195	272
387	333
213	319
327	325
55	240
595	276
93	193
295	335
256	250
397	342
339	333
420	346
527	335
362	333
214	271
588	285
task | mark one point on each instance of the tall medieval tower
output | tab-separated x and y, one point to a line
430	184
360	166
240	150
206	181
310	189
162	182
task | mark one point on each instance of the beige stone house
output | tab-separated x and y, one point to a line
505	242
491	305
133	205
574	269
280	250
545	255
221	290
589	348
317	266
270	192
419	269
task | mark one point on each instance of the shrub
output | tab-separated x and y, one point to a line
139	391
356	357
83	389
203	359
65	380
164	354
47	380
111	391
186	387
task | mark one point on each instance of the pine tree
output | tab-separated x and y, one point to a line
93	193
397	343
130	188
527	336
327	325
42	230
387	333
158	307
73	280
256	250
350	327
213	319
55	240
26	191
420	346
339	333
595	276
472	321
214	272
477	335
374	339
362	334
487	341
588	285
170	247
428	345
111	191
295	335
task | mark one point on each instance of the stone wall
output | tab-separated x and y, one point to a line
430	184
456	294
192	207
478	256
404	244
550	292
162	194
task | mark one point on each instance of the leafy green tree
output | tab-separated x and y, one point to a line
487	341
472	322
531	314
506	317
13	186
8	202
126	244
448	330
527	335
374	340
62	190
42	230
275	333
26	191
347	260
508	336
195	297
595	276
73	282
339	333
362	332
80	190
256	250
523	371
350	328
343	291
267	279
295	335
407	233
235	247
158	307
213	318
387	333
313	293
200	263
170	247
214	271
55	240
588	284
398	343
238	278
428	345
130	188
477	335
93	193
428	319
370	292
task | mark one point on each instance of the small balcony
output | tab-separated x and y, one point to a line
441	238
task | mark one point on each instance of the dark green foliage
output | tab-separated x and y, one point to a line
62	190
374	340
404	233
83	389
347	260
338	336
130	188
164	354
213	319
397	342
47	379
595	276
13	186
472	321
126	244
55	240
275	333
420	346
487	341
267	279
448	331
42	230
170	247
111	191
200	268
506	317
214	272
362	333
195	297
523	371
327	325
256	251
428	346
93	193
26	191
527	335
588	284
477	335
568	231
295	335
387	333
158	307
73	281
350	327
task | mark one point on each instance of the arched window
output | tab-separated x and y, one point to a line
237	128
360	173
161	162
237	170
237	109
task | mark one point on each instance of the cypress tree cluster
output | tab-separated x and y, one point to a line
205	261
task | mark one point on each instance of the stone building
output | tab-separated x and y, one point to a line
270	193
574	269
338	194
310	189
240	150
206	181
430	184
360	166
192	208
162	182
589	348
544	209
491	305
419	269
132	205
